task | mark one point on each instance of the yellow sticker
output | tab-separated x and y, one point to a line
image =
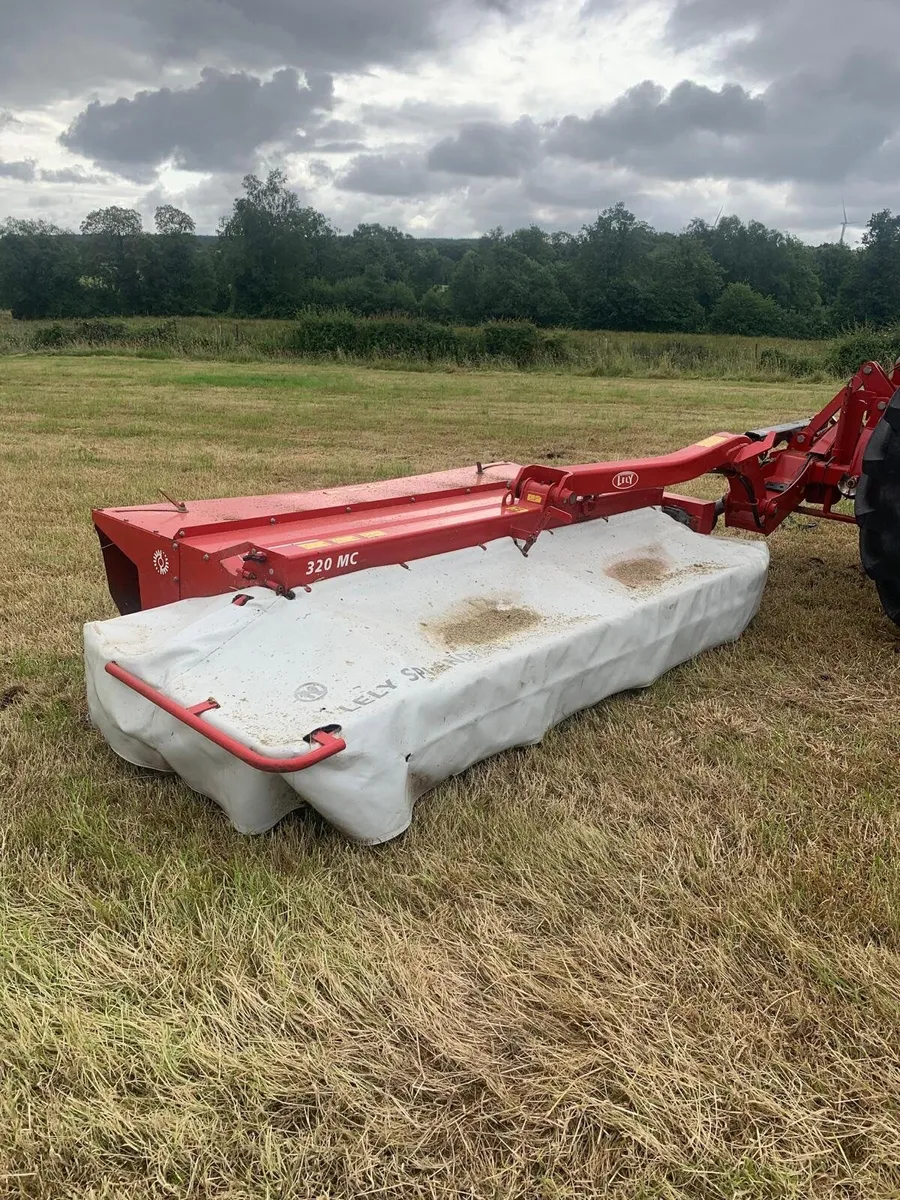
716	440
534	498
341	540
517	508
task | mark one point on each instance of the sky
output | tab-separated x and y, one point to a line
447	118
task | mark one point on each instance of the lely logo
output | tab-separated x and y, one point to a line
625	480
161	562
309	692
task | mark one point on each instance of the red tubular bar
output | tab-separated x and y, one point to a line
659	471
328	744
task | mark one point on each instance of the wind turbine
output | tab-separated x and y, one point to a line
844	223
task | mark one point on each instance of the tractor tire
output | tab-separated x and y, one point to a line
878	509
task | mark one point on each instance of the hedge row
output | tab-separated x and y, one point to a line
337	335
519	343
103	333
845	356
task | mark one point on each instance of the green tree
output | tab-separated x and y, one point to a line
429	269
871	291
436	304
610	261
40	270
770	262
614	246
171	221
466	289
275	255
112	222
834	265
114	252
271	247
534	243
515	286
742	310
681	282
177	275
370	294
386	250
621	303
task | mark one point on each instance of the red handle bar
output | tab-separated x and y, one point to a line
327	744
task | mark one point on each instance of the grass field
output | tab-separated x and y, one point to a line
656	956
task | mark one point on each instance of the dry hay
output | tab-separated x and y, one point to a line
655	958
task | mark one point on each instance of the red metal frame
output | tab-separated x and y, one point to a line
160	553
327	745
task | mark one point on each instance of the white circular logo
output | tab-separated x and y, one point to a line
311	691
161	562
625	479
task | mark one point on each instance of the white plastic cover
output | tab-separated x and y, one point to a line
427	670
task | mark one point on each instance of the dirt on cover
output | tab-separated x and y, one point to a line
640	572
481	621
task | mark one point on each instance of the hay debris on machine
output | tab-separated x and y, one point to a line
353	647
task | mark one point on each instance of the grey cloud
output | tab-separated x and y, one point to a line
24	170
804	127
486	203
694	21
341	33
54	47
819	210
646	118
41	200
320	170
338	35
574	194
340	147
340	130
512	205
560	195
560	186
819	38
488	148
394	174
339	137
71	175
768	38
593	8
424	115
218	124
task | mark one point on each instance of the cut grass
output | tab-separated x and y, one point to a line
656	956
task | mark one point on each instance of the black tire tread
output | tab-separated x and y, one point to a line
878	509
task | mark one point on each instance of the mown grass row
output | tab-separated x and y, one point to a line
419	344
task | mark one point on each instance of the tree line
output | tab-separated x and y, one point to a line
275	257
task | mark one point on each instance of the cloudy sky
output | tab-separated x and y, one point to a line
450	117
